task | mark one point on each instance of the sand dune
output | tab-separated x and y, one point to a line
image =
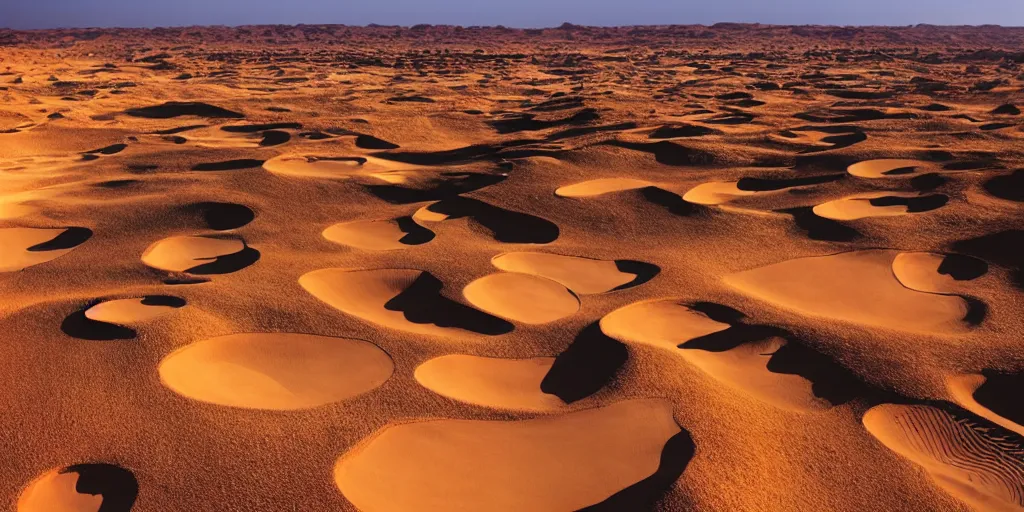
522	297
274	370
25	247
559	463
379	235
855	287
488	268
583	276
490	382
968	459
402	299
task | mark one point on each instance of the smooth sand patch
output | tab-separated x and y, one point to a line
860	206
962	455
312	166
133	311
379	235
21	248
857	287
889	168
557	463
715	192
600	187
583	276
512	384
522	298
275	371
665	324
183	253
937	273
81	488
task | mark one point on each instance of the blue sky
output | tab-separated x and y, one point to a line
513	13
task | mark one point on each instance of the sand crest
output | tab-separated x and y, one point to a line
889	168
193	254
879	204
275	371
600	187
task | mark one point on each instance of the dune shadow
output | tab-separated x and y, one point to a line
643	271
371	142
254	128
504	225
670	201
116	485
672	131
820	228
775	184
645	494
422	303
69	239
913	204
668	153
229	165
528	122
414	233
1009	186
586	366
999	393
77	325
446	185
1005	248
222	216
228	263
183	108
274	138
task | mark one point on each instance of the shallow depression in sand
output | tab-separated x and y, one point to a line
310	166
275	371
512	384
856	286
21	248
548	464
81	488
962	454
522	297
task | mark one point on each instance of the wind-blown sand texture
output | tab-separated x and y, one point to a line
734	268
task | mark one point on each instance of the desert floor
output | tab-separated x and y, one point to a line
319	268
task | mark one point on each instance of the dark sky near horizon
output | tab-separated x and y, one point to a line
27	14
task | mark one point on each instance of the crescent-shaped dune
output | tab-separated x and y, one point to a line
512	384
715	192
662	323
670	324
584	276
338	167
81	488
888	168
600	187
133	311
555	463
971	390
21	248
522	297
870	204
968	459
403	299
275	371
937	273
857	287
379	235
186	253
